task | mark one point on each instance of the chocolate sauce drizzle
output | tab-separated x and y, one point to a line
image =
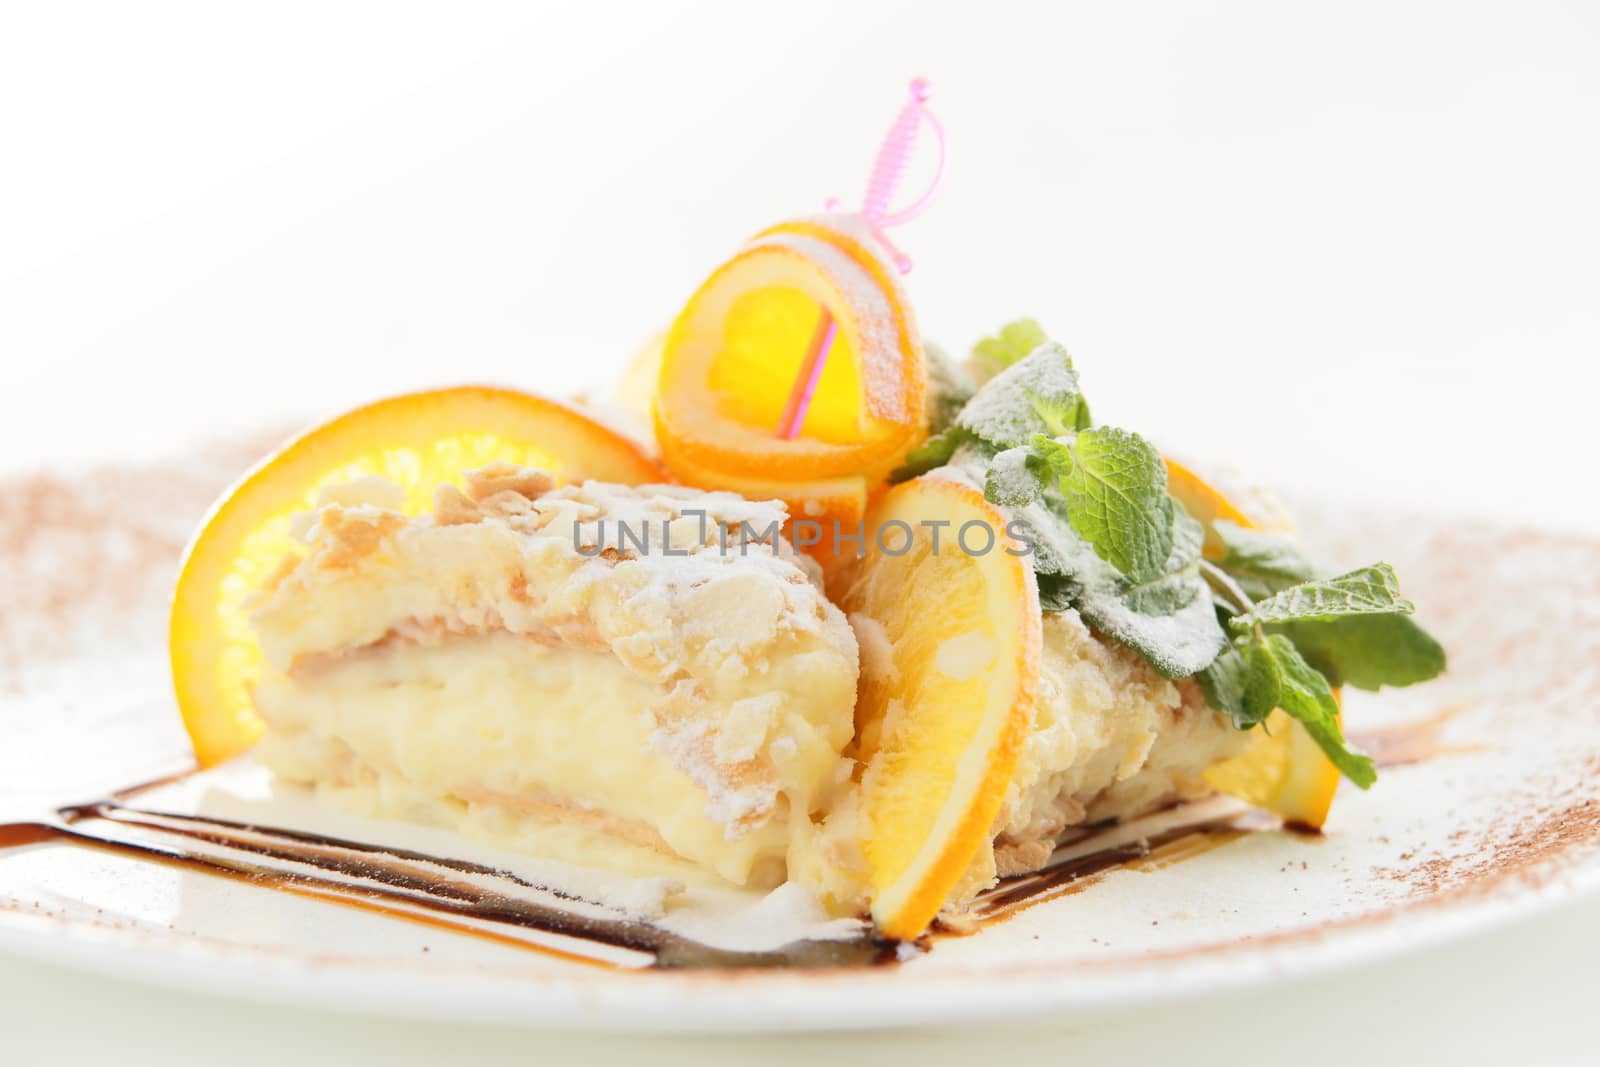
438	891
404	883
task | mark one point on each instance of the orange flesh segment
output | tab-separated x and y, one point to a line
940	727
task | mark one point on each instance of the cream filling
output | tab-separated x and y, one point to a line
552	750
1110	738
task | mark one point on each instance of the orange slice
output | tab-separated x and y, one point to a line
1283	770
950	665
736	349
419	441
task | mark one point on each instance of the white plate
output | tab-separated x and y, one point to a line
1498	813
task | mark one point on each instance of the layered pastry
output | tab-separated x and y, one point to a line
651	680
582	672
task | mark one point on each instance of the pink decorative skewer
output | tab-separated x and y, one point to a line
887	170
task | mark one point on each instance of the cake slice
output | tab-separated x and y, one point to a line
648	679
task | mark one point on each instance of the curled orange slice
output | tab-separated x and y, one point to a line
732	357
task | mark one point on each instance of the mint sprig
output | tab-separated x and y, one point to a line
1370	590
1263	627
1364	649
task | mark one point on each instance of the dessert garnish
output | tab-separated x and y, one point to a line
1244	611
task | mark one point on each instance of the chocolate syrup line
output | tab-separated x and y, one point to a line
124	813
398	890
19	834
1072	875
321	853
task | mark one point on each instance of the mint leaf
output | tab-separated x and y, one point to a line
1062	414
1179	582
1223	684
1056	592
1262	563
932	453
1015	340
1016	478
1369	651
1005	412
1116	495
1055	454
1370	590
1167	619
1364	651
1277	676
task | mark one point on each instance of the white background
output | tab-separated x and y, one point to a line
1351	246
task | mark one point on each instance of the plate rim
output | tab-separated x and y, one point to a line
707	1002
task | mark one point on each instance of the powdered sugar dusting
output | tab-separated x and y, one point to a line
871	316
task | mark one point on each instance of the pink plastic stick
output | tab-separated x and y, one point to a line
794	412
887	170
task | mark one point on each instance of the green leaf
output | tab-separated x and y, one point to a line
1279	676
1370	590
1263	682
1005	412
1015	341
1055	454
1262	563
1168	619
1223	683
1062	415
1365	651
1016	477
1369	651
1056	592
932	453
1116	495
1179	582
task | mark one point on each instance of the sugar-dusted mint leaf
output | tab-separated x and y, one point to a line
1278	676
1005	411
1015	340
1168	619
932	453
1179	582
1056	592
1016	477
949	388
1062	414
1369	651
1116	494
1262	563
1370	590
